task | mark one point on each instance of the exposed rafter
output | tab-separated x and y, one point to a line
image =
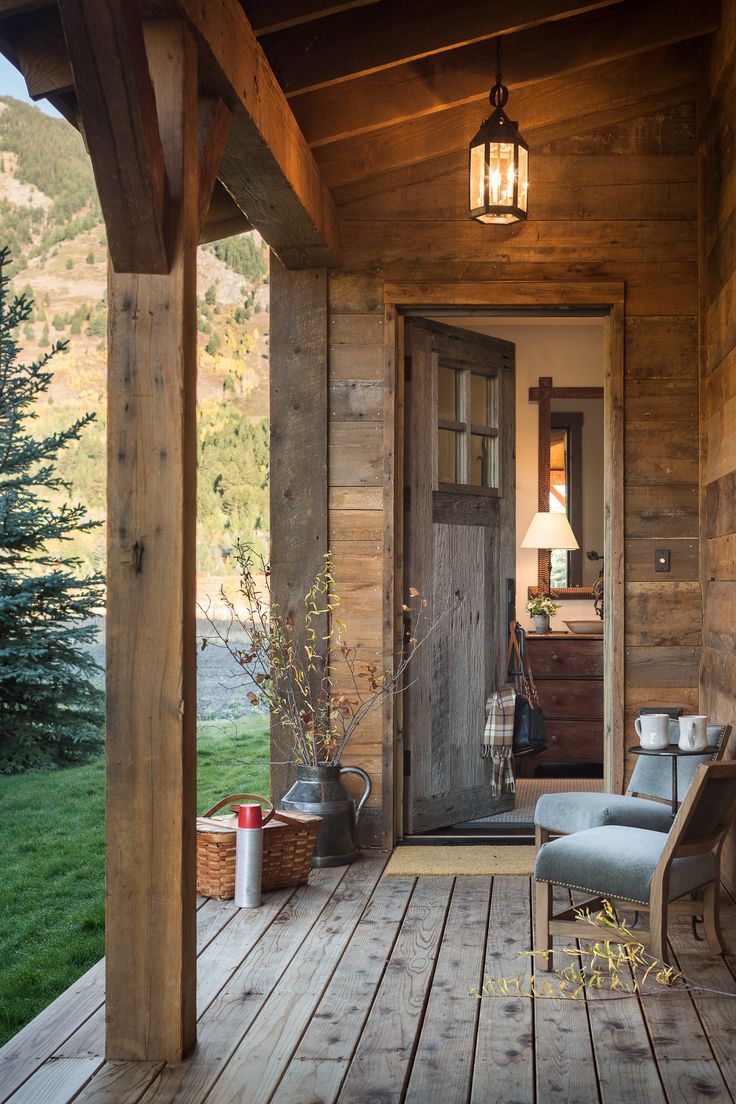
439	82
275	15
267	166
365	39
581	100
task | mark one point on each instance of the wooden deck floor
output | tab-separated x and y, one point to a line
355	988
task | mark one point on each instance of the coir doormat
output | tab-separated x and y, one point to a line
415	862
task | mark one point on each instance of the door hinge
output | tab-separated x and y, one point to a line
407	498
407	369
407	763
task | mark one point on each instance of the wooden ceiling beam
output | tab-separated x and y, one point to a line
592	93
214	121
224	217
42	57
266	16
267	166
442	81
364	40
118	111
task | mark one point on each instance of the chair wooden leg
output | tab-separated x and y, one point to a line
542	917
712	919
658	932
541	835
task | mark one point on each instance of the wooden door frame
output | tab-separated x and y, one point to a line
563	298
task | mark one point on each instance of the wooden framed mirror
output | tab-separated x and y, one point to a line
565	485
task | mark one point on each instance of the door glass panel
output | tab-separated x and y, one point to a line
483	461
448	394
481	400
449	456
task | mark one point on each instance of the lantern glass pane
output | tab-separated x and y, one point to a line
477	176
523	177
501	174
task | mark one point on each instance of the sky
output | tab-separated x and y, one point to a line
12	84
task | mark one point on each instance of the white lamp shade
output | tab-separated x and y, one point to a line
550	531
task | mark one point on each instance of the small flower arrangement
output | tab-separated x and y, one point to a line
541	605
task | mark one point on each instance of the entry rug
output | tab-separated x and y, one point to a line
455	861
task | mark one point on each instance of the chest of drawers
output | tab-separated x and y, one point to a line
568	672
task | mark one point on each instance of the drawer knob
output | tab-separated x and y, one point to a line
555	698
555	658
555	739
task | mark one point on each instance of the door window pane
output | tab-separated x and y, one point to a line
482	400
448	394
482	461
449	455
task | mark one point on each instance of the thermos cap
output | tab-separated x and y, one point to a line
250	816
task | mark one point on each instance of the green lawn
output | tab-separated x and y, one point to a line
52	862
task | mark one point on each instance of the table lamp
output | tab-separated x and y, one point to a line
548	531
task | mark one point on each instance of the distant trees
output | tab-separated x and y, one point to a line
51	711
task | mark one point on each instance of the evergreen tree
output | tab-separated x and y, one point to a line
51	711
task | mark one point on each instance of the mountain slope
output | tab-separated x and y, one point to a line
51	219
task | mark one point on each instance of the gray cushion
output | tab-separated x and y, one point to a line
652	774
574	812
619	862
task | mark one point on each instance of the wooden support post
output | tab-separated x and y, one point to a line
298	371
151	648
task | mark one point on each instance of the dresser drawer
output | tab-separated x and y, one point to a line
565	658
571	698
581	741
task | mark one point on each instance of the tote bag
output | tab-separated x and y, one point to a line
530	736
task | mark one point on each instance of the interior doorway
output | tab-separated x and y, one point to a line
572	664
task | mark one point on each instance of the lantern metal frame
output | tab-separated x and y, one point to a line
498	128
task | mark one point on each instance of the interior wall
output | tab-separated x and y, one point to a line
718	389
618	203
573	354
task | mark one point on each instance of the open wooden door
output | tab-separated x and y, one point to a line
460	553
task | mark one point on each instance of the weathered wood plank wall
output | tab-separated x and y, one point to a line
718	388
618	203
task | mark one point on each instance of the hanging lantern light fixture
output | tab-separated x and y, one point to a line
499	163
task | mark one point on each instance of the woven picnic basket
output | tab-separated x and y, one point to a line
288	844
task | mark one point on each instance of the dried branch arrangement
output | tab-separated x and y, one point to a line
617	963
315	686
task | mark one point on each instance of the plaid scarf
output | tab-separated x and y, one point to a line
498	739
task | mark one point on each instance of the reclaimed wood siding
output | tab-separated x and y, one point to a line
356	356
615	204
718	391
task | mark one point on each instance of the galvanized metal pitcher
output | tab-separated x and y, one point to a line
318	790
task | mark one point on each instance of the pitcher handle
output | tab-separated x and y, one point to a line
368	787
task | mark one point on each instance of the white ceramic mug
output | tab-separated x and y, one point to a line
693	733
653	731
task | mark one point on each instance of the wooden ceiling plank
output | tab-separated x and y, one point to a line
266	16
444	165
365	40
442	81
267	165
214	122
594	93
118	111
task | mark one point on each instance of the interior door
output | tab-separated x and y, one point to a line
460	549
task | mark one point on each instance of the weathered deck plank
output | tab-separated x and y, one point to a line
356	989
382	1061
321	1060
266	1050
443	1065
504	1057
